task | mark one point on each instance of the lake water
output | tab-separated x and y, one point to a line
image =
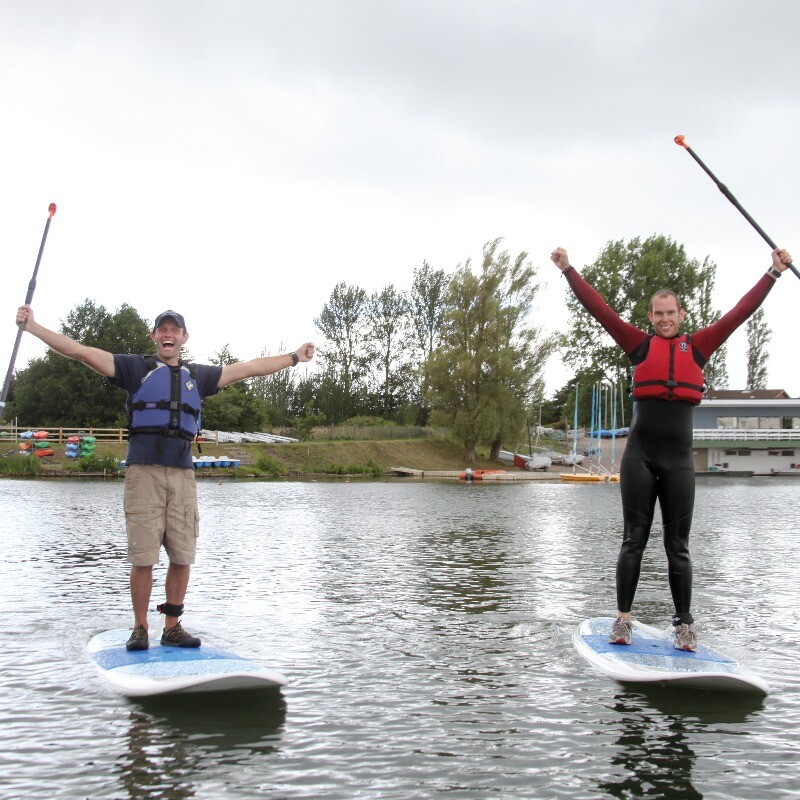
425	629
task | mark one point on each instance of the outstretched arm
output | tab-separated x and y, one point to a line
266	365
710	339
98	360
627	336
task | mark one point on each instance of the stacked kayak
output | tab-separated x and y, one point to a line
35	443
80	446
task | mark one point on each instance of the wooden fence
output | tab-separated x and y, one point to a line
60	435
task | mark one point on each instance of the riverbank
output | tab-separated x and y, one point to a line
377	458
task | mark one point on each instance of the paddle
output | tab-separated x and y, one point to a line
680	141
21	325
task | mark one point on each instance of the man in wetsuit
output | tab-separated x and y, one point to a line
657	463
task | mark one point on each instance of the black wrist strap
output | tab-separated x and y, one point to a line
295	359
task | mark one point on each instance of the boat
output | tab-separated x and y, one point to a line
585	477
470	475
531	462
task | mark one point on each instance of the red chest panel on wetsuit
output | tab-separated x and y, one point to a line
668	372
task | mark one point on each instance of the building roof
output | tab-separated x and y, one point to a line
747	394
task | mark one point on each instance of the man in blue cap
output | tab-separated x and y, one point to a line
160	502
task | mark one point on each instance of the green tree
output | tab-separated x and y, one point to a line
54	390
344	355
716	369
627	275
234	409
483	376
387	319
758	337
277	391
426	310
224	357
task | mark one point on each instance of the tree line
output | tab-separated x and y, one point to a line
458	349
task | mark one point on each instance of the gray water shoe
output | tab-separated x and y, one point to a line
685	638
621	632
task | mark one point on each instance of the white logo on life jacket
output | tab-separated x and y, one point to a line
189	385
684	346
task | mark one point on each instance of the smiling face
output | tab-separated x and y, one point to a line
665	316
169	338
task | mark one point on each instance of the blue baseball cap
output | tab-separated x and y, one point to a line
169	313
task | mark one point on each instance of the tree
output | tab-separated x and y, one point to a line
426	310
716	370
483	376
627	276
234	409
341	322
758	337
386	313
277	391
56	391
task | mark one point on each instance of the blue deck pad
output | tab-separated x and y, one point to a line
114	657
656	648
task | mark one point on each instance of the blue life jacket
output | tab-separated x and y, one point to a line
167	402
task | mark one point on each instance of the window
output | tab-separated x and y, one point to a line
726	422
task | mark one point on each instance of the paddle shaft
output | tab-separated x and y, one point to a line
21	325
727	192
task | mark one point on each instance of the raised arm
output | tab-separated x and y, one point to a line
627	336
266	365
709	339
98	360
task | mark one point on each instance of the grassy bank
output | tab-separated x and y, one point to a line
301	458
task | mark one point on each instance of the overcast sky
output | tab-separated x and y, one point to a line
235	160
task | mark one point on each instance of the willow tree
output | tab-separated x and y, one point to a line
482	377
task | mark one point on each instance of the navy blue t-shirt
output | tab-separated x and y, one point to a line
150	448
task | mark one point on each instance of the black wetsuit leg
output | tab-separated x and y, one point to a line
657	465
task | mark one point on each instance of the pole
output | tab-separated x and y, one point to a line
681	142
21	325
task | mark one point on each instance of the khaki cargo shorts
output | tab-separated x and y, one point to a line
160	509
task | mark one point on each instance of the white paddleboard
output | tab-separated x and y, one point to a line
171	670
651	658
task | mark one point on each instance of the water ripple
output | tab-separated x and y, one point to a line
426	631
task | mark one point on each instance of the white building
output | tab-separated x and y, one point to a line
747	432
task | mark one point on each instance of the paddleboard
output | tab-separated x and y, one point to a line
171	670
651	658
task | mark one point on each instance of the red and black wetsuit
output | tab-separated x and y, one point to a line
657	463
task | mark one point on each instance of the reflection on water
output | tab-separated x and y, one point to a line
426	633
169	739
656	729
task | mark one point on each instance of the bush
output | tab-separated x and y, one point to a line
370	468
365	422
269	465
106	464
19	466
